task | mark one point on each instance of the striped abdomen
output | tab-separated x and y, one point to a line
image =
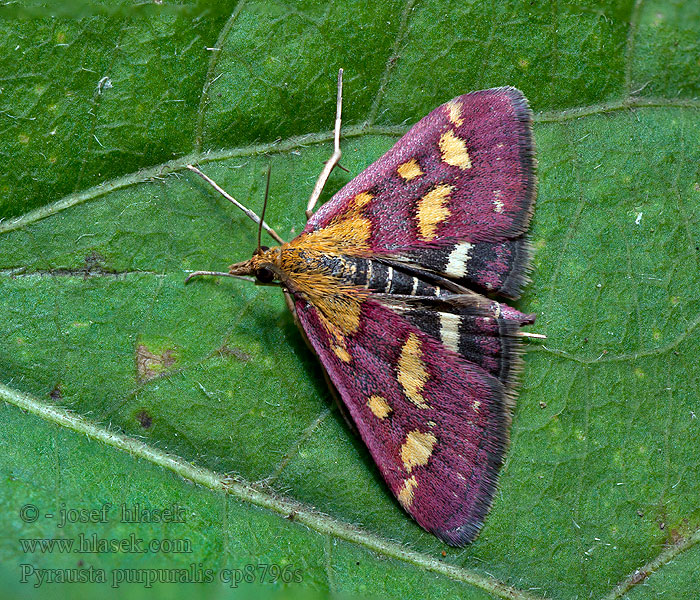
376	276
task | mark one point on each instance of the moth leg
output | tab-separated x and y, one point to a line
335	157
534	336
235	202
331	388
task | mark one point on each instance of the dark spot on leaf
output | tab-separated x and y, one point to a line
80	563
55	393
543	404
144	419
236	352
95	265
153	364
640	513
94	259
662	525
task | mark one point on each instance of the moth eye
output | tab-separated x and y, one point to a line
264	248
264	275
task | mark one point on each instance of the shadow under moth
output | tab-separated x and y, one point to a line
392	283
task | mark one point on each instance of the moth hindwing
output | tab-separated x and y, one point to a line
387	282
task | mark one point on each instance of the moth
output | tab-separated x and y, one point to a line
393	283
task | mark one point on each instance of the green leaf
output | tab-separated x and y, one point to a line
123	387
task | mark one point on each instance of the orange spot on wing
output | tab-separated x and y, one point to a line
409	170
412	374
416	449
454	150
342	353
455	114
405	494
379	406
432	210
362	199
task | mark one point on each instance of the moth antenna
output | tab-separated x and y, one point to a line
217	274
231	199
262	217
335	157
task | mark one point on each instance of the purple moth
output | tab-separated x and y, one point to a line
393	283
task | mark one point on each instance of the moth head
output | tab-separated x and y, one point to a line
264	265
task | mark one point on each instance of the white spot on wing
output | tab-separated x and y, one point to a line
389	277
458	259
449	330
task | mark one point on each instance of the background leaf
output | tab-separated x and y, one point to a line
102	105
